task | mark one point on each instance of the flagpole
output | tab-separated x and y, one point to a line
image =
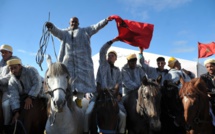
197	71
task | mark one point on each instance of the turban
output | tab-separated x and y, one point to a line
131	56
171	62
6	47
112	51
13	62
209	61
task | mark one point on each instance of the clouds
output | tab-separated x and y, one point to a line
155	4
140	8
25	52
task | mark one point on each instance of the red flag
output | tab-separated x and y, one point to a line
134	33
206	50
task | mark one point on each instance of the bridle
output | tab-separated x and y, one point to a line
143	108
51	93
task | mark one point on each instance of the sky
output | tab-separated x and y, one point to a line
178	24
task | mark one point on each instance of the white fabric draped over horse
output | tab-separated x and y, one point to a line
64	116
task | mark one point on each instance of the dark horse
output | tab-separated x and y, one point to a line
196	107
104	117
172	114
143	108
32	121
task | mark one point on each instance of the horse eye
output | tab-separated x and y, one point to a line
47	77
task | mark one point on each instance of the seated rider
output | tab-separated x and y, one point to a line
209	79
108	76
132	74
24	86
7	54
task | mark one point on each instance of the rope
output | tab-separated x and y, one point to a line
23	128
43	45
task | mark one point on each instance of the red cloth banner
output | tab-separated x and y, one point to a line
206	50
134	33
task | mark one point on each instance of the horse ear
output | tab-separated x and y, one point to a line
182	81
159	79
144	80
71	81
48	60
201	85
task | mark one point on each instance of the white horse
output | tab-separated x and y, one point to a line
64	116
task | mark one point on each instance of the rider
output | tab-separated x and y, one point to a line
209	79
75	53
152	72
24	86
7	54
108	76
132	74
175	72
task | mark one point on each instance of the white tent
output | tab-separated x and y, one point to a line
150	58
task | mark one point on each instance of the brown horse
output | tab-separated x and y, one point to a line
196	107
105	117
32	121
143	108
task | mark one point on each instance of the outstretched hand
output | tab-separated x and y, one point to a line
49	25
110	18
115	39
141	49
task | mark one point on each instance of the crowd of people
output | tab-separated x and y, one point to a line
19	83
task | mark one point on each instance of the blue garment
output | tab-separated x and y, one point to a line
175	74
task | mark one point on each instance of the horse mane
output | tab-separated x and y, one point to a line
56	69
193	88
106	109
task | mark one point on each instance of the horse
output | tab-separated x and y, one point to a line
196	106
64	116
143	107
31	121
105	113
172	118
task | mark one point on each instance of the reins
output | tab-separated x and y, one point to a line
15	128
50	92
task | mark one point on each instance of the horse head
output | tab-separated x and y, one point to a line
196	105
148	102
57	83
106	108
171	104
